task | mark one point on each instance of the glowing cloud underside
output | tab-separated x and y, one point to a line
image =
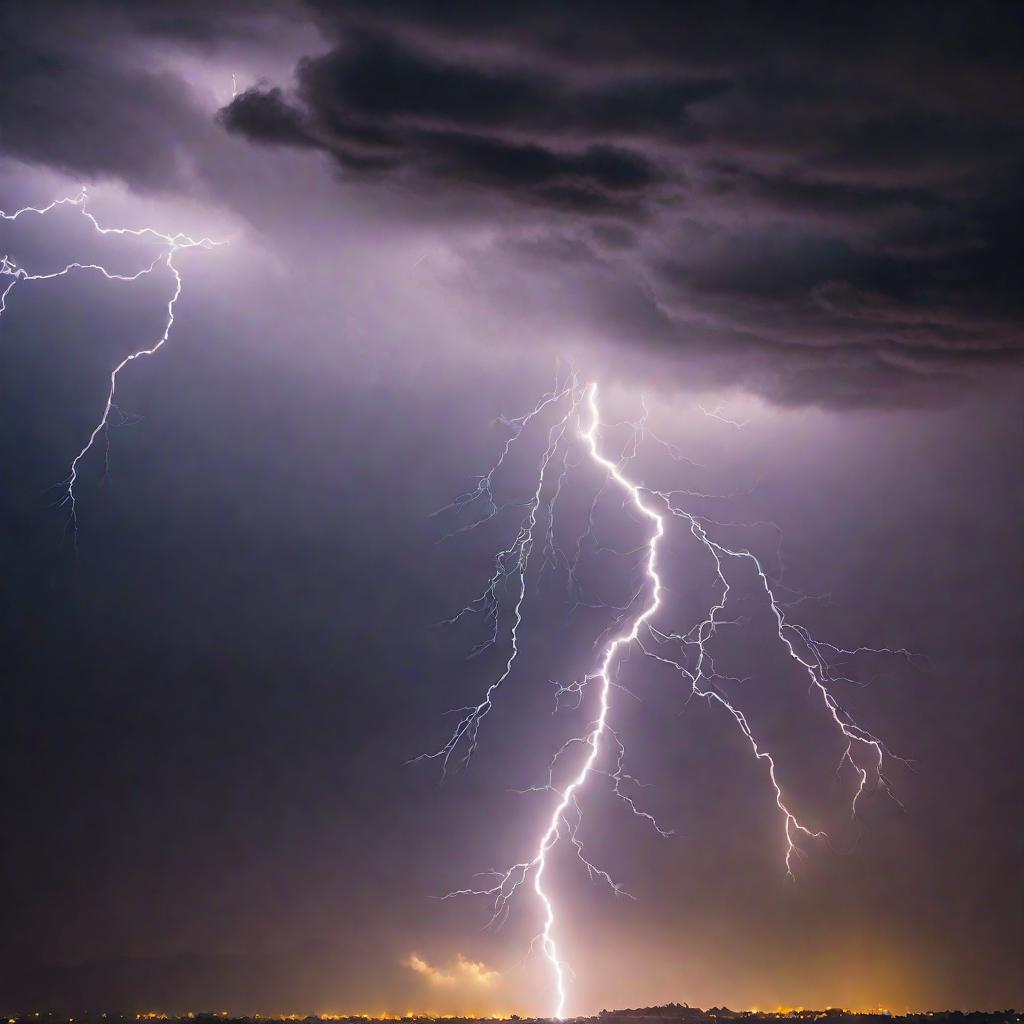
167	245
474	973
599	751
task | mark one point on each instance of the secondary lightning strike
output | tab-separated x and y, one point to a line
170	245
864	752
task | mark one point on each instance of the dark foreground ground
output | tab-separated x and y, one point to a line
672	1014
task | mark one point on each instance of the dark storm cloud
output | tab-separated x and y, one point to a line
818	200
378	107
816	204
70	89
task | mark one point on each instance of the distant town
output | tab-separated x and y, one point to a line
680	1013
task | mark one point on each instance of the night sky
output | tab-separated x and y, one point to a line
805	217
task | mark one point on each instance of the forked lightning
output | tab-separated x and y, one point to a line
168	246
599	750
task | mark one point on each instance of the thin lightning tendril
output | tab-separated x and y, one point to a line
170	245
688	653
511	561
718	413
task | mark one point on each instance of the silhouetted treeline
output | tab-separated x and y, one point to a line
686	1014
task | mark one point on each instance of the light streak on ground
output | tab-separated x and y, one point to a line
577	424
168	246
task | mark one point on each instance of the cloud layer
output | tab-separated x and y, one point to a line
817	205
821	203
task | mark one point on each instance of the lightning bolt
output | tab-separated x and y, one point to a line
604	677
599	751
169	246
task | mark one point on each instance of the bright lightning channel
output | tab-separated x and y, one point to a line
170	245
604	676
687	652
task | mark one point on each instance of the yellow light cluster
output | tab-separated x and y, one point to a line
333	1016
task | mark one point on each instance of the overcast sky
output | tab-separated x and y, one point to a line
803	219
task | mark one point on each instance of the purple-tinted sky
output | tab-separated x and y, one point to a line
806	214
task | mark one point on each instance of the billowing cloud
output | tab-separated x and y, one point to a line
380	107
461	971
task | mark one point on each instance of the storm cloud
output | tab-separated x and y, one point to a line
820	206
